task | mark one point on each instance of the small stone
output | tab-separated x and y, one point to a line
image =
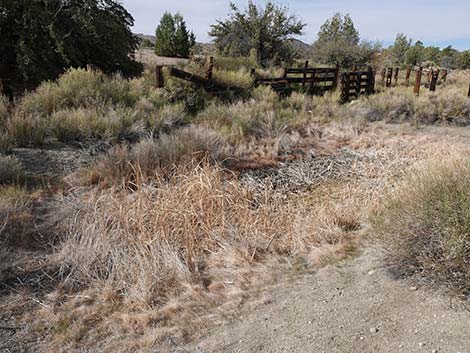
371	272
374	330
434	351
413	289
421	344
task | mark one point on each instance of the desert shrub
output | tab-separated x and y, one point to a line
78	88
156	157
425	226
236	78
84	124
4	106
16	222
266	115
392	106
448	106
27	129
10	170
6	142
235	63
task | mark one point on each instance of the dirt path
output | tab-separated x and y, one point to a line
356	307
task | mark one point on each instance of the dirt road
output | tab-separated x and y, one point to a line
357	307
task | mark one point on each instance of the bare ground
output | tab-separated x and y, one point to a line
354	307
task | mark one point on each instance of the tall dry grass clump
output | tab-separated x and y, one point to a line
6	142
201	228
11	170
79	88
16	220
155	157
425	226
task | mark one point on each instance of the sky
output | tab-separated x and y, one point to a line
434	22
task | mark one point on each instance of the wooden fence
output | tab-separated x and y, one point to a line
315	81
357	83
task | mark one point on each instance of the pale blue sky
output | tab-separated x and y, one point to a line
436	22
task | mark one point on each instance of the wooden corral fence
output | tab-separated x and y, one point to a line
357	83
208	85
315	81
434	76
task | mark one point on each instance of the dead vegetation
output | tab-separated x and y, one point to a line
190	203
424	226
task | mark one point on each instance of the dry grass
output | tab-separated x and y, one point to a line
16	221
157	239
154	158
425	226
180	251
170	251
11	170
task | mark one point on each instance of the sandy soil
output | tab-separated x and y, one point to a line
355	307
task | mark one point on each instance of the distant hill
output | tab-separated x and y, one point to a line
209	48
303	48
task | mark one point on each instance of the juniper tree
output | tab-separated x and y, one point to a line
265	31
173	37
338	42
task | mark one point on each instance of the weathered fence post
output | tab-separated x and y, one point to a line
419	74
336	78
284	74
312	82
389	77
159	76
429	75
304	79
384	73
408	75
358	76
397	70
344	87
370	81
444	76
210	68
434	78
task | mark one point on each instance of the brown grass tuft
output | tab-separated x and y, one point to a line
425	226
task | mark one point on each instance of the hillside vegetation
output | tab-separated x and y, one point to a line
188	204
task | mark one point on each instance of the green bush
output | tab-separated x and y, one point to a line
78	88
92	124
27	129
425	226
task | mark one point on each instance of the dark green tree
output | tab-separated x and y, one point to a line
449	58
415	55
173	37
464	60
165	33
41	38
339	29
399	49
264	31
184	40
432	54
339	43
